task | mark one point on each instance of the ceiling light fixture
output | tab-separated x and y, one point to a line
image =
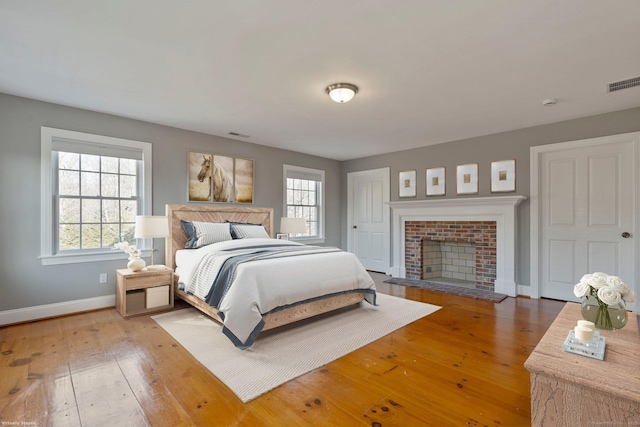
342	92
549	102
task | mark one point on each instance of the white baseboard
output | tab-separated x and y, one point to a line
524	290
26	314
398	272
505	287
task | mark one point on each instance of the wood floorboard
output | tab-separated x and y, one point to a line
461	366
51	398
103	395
157	401
273	411
14	367
365	387
200	394
317	407
412	384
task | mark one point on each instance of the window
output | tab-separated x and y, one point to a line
304	196
92	187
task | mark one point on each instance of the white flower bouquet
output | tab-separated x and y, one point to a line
131	250
607	291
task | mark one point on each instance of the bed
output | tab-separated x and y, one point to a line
265	288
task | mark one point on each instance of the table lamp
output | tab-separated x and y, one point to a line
148	226
293	225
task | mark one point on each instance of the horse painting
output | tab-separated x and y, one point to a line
216	176
205	169
223	186
199	177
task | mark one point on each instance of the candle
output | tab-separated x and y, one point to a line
583	333
587	324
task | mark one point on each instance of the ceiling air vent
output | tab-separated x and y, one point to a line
238	134
623	84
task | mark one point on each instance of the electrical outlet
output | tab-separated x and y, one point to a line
103	277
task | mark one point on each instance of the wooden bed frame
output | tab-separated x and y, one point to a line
264	216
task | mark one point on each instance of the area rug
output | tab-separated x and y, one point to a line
278	357
449	289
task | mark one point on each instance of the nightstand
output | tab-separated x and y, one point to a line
143	292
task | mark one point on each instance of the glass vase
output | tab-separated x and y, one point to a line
609	317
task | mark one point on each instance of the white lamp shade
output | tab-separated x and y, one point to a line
151	226
293	225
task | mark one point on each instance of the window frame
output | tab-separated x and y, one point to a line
48	221
320	198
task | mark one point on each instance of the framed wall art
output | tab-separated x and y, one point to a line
200	176
243	174
222	179
503	176
407	184
218	178
435	181
467	179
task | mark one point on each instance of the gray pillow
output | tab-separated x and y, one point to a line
248	231
200	234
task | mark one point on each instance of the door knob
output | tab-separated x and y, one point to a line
626	235
355	226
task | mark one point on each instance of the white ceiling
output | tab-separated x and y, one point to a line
429	71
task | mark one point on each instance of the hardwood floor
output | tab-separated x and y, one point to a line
461	366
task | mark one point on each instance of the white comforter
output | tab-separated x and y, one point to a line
262	286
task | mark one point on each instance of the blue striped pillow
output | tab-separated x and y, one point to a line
200	234
249	231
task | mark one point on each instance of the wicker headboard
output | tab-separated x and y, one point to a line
205	213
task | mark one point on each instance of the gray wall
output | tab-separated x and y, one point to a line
25	282
483	150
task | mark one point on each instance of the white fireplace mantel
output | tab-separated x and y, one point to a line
501	209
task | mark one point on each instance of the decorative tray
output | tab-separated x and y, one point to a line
593	348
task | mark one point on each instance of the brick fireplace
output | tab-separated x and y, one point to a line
481	233
465	219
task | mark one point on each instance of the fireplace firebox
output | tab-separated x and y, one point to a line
482	234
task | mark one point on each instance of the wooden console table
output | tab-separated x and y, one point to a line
572	390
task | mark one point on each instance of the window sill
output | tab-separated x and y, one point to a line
87	257
309	240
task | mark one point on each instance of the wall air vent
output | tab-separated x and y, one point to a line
238	134
623	84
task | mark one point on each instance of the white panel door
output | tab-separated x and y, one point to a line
587	200
369	219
